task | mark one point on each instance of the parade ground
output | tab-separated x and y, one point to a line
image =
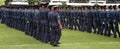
14	39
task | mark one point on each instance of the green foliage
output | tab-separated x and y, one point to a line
96	5
14	39
32	2
64	4
1	2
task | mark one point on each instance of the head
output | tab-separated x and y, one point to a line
88	8
110	7
119	6
60	8
95	7
76	8
51	8
104	7
82	8
79	8
68	8
91	8
99	7
31	7
114	7
45	5
20	8
64	8
56	9
40	7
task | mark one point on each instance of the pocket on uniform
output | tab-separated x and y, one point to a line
55	26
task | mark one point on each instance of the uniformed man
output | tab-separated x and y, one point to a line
71	18
61	12
44	22
115	22
76	18
27	21
90	19
109	21
0	14
103	21
55	26
119	10
80	19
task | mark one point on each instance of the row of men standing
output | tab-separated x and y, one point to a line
35	22
103	20
42	23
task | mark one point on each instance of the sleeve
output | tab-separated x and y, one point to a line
58	17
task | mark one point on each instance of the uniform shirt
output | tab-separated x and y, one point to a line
0	13
44	16
118	15
53	17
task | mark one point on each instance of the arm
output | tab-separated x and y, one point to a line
58	21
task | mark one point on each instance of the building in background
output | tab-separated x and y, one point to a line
22	2
78	1
85	2
58	2
19	2
7	2
16	2
68	2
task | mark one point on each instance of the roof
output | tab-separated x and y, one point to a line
19	3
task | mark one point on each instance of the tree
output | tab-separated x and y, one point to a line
32	2
7	2
64	4
1	2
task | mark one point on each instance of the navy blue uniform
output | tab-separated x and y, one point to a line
55	31
115	24
90	21
61	12
109	23
0	14
44	25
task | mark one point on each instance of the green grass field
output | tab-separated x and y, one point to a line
14	39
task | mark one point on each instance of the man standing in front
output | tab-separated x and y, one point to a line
55	26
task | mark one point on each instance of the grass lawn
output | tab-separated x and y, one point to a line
14	39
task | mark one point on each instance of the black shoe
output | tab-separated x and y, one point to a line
105	34
55	45
46	42
108	35
75	29
101	34
119	35
94	32
51	43
115	36
58	43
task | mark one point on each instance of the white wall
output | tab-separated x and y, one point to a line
79	4
19	3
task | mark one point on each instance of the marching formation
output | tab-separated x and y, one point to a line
37	23
45	23
102	20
